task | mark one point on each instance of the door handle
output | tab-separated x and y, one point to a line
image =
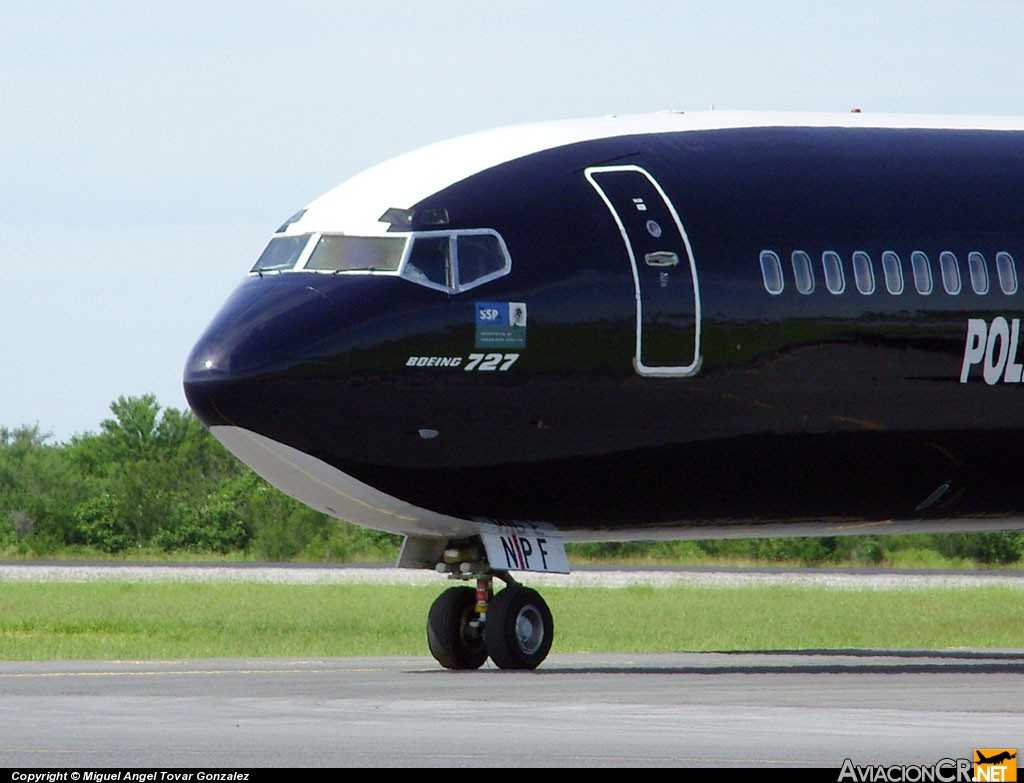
662	258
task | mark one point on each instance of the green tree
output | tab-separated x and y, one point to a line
39	490
164	475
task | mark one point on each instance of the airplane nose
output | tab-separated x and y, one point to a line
270	329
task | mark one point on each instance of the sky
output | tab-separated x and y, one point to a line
149	149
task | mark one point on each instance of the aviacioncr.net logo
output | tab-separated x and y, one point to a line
942	771
995	765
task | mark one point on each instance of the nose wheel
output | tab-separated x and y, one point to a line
513	627
454	631
519	628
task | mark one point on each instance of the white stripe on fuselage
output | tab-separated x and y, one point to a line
355	206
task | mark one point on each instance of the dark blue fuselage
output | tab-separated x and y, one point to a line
805	405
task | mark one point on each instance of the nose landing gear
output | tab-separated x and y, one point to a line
513	627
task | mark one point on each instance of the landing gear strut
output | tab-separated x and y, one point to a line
513	627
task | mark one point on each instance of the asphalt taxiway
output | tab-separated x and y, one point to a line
687	709
800	708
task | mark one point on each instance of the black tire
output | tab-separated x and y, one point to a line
519	628
453	642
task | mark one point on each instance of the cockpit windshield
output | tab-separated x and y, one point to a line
452	261
338	253
282	253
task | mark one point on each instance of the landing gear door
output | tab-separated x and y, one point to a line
664	273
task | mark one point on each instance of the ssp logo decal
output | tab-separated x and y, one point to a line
500	324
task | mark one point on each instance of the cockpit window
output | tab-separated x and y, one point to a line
282	253
456	260
338	253
480	256
430	260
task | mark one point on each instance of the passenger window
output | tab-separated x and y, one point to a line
892	269
802	272
479	255
979	272
922	272
835	282
863	272
771	272
428	261
950	268
1007	271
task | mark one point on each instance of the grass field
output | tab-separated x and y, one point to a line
143	620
